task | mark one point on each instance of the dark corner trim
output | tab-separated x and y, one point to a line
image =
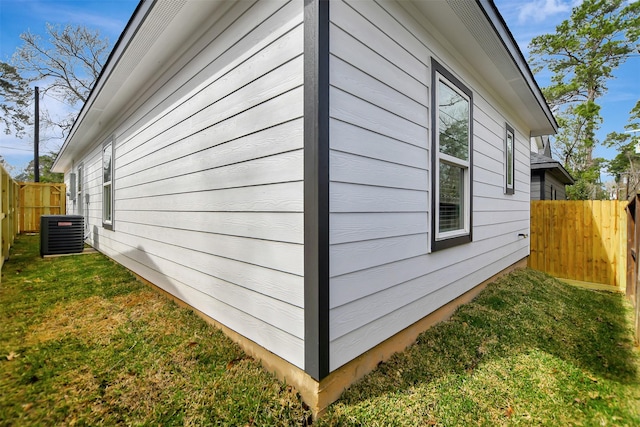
316	188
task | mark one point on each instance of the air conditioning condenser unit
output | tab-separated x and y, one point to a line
61	234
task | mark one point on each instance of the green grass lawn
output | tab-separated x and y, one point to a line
82	342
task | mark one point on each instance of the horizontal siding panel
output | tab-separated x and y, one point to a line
350	345
494	190
279	226
344	45
273	283
226	56
386	46
277	313
355	169
496	204
284	167
349	257
489	176
352	139
277	340
485	125
512	228
348	108
498	217
389	24
348	287
364	198
274	84
286	257
286	197
491	163
487	157
360	84
201	151
355	227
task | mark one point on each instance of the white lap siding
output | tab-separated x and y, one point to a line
208	177
383	276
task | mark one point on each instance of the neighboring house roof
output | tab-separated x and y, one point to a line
159	30
542	162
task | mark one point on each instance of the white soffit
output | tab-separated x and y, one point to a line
157	34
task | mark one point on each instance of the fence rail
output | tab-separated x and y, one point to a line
580	240
9	227
37	199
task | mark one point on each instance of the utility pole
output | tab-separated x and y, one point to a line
36	139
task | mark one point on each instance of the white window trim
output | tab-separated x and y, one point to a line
80	188
108	223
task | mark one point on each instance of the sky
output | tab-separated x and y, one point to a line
18	16
529	18
525	19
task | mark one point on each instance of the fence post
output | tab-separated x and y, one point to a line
6	232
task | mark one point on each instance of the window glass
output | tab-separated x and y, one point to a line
451	197
79	187
106	203
107	185
106	163
453	122
80	202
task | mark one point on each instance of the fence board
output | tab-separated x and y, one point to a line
37	199
580	240
8	206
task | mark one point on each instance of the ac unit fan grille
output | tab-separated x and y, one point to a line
61	234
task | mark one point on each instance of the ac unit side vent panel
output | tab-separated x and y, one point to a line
61	234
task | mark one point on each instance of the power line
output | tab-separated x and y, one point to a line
14	148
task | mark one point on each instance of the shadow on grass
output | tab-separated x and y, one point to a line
83	342
523	318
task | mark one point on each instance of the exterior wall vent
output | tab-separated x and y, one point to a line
61	234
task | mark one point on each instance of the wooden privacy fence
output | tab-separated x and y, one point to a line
580	240
37	199
8	213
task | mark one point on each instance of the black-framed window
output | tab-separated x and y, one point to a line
80	178
509	160
107	183
452	159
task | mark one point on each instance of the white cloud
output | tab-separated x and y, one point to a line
539	10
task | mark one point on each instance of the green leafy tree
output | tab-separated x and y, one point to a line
46	161
15	94
625	167
582	55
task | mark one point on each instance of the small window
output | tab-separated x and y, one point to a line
452	131
509	161
79	200
107	185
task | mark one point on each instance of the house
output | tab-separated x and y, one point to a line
322	180
548	177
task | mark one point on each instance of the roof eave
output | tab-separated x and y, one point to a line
497	21
63	161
